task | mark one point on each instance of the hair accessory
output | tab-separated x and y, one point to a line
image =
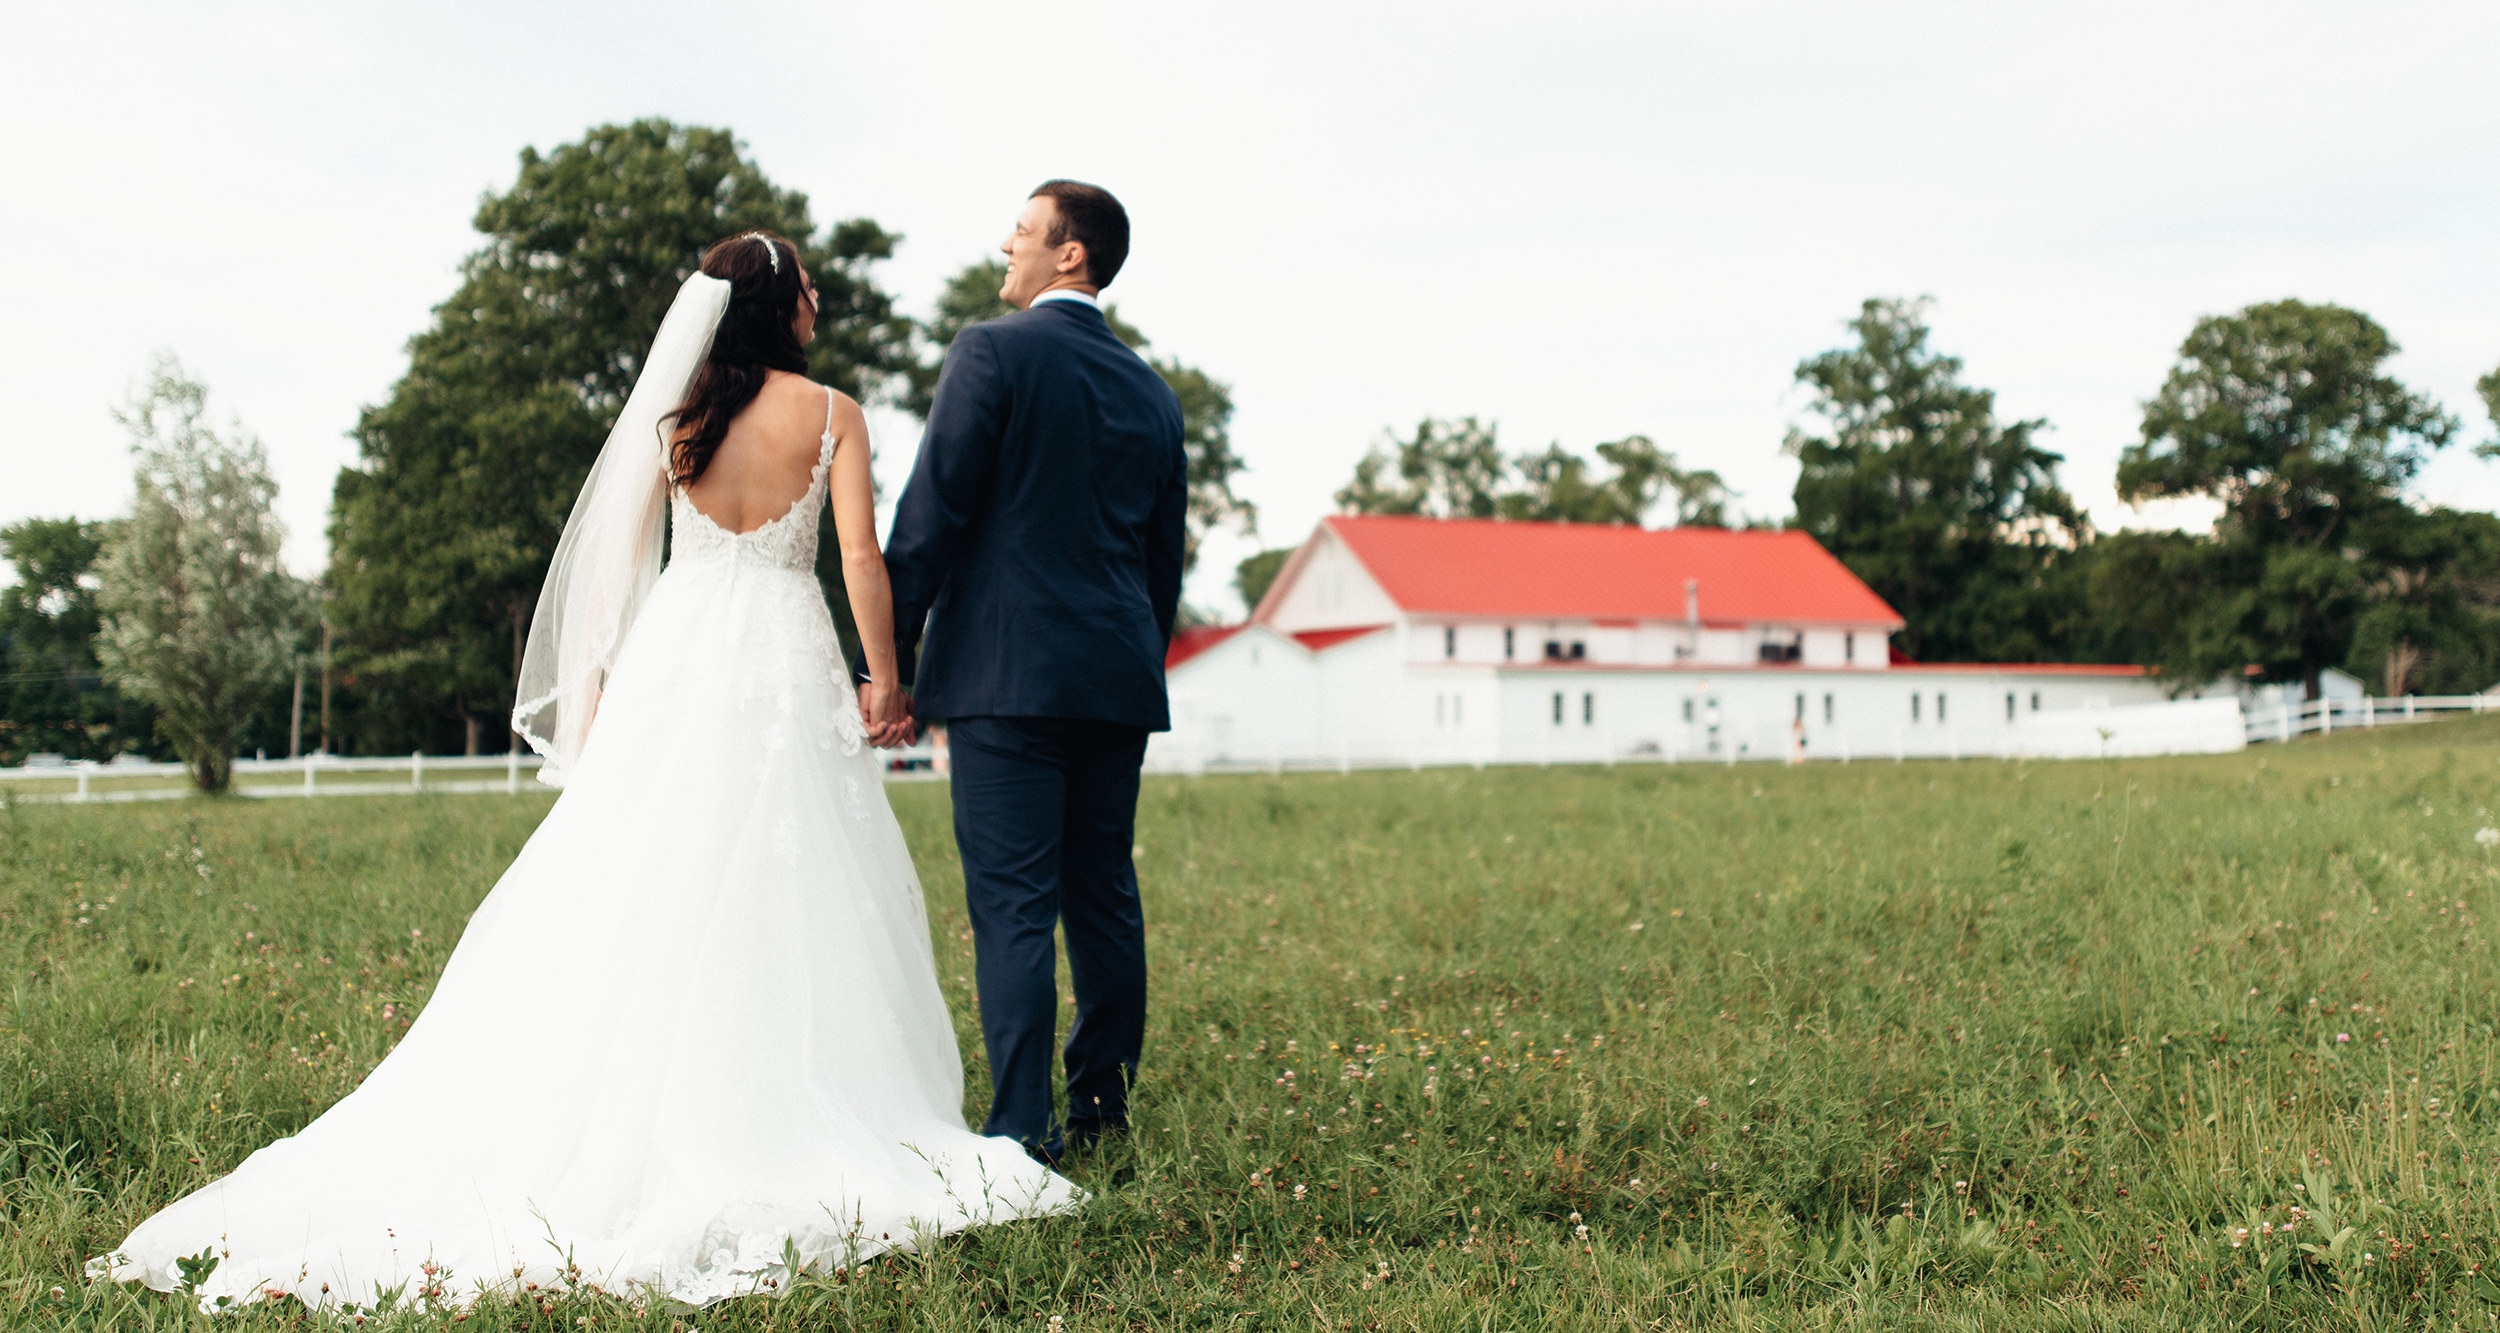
771	251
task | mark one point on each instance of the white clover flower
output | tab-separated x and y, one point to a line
2487	837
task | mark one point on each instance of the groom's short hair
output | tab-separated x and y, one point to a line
1089	216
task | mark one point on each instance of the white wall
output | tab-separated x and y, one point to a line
1260	699
1247	700
1331	590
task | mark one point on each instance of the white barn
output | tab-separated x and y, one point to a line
1424	641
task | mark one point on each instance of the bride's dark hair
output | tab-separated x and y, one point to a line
756	334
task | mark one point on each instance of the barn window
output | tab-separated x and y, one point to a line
1827	709
1914	705
2035	701
1848	649
1558	707
1688	708
1449	641
1940	705
1801	705
2009	705
1588	709
1510	643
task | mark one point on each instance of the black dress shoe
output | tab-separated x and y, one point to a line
1087	1135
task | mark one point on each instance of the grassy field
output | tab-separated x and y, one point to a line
2191	1043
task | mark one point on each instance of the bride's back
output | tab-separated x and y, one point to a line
767	461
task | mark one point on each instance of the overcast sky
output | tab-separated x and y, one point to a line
1581	221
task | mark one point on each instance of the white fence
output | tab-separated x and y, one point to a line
2283	721
332	775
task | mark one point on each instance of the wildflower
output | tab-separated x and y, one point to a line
1234	1265
2487	837
2342	1037
1701	1101
2239	1237
1961	1187
1301	1192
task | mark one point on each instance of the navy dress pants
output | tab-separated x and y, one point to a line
1045	818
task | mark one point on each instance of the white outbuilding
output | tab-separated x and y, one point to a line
1391	640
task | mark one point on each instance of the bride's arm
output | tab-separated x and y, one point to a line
854	498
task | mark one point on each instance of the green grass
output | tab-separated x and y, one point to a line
1869	1046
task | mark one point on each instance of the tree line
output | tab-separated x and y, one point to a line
441	531
176	628
2282	414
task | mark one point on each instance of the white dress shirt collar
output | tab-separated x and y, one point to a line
1068	294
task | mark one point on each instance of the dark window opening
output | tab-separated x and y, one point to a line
2035	701
1790	651
2009	705
1914	706
1510	643
1801	705
1827	710
1558	707
1940	705
1449	641
1588	709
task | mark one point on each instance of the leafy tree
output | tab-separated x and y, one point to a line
198	618
2433	622
1950	515
1456	469
1558	486
1254	575
1206	402
1450	469
52	692
2489	387
441	533
2284	413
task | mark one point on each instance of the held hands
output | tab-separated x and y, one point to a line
885	710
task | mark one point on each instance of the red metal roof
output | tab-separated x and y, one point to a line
2026	668
1188	643
1484	567
1321	640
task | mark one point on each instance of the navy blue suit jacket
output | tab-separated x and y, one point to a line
1041	534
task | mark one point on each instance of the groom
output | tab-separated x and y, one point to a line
1040	538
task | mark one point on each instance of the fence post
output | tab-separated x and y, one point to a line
2326	715
82	783
2408	708
2284	702
308	775
416	771
2369	711
512	772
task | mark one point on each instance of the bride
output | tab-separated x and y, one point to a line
695	1032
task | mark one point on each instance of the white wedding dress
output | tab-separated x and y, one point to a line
695	1028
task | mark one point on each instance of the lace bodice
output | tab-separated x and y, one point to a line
787	542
